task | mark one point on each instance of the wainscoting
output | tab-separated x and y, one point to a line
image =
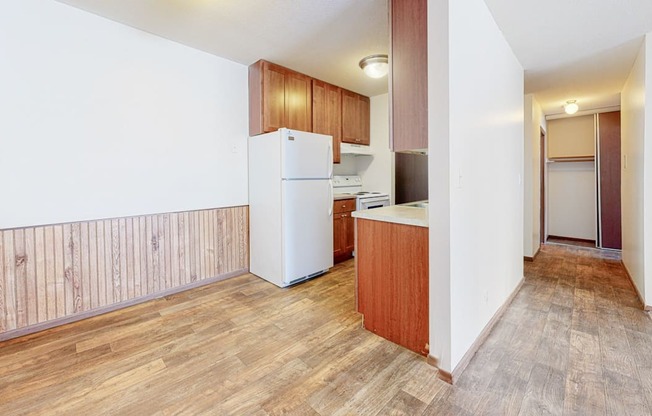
59	273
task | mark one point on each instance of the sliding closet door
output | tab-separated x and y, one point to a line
609	178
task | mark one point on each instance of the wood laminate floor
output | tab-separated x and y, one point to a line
574	341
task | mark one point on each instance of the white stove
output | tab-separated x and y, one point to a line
352	186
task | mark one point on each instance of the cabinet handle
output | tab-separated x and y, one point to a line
343	215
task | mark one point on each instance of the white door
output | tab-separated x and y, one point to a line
306	155
307	228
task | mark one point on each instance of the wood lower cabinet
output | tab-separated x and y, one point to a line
392	281
355	118
278	97
327	113
343	229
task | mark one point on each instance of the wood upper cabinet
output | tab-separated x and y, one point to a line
278	97
408	75
327	113
355	118
343	229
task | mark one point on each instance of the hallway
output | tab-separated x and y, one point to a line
574	341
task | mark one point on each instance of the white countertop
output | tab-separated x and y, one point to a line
398	214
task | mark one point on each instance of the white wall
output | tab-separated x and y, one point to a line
636	122
347	165
572	200
102	120
534	121
484	119
378	171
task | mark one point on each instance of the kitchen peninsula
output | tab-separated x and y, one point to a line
392	273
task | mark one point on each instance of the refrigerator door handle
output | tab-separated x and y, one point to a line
330	206
330	160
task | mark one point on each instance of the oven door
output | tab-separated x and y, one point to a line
373	202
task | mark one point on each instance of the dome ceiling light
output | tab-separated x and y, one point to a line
375	66
571	107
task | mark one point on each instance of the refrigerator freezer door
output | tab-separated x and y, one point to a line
306	155
307	228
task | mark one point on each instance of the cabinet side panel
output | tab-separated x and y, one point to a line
409	75
392	281
255	98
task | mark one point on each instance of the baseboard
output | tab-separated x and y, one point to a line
580	240
638	294
450	378
531	259
444	376
115	306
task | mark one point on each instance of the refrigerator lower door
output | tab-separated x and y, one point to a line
307	229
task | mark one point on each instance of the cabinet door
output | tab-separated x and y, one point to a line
274	81
350	117
364	114
298	101
338	234
349	233
327	113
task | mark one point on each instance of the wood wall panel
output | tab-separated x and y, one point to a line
56	272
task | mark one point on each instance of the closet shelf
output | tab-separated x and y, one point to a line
558	159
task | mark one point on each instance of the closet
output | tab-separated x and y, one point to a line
583	179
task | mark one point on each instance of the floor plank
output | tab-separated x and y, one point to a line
573	341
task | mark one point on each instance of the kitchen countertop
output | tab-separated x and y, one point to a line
399	214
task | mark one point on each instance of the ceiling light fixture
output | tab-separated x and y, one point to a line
571	107
375	66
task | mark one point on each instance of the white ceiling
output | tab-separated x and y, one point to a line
570	49
323	39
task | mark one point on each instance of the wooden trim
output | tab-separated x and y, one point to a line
588	158
580	240
450	378
531	259
643	306
116	306
444	376
542	181
464	362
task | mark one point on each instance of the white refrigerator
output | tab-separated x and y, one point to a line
290	206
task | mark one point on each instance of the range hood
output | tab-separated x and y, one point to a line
355	149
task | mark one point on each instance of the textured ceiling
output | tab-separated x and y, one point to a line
578	49
323	39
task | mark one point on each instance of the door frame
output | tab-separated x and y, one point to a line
542	179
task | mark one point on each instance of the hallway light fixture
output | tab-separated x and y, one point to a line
375	66
571	107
